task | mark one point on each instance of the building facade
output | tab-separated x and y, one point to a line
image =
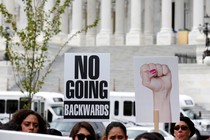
139	24
126	22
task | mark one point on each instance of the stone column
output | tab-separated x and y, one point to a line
104	37
5	66
1	38
22	16
195	36
207	10
165	36
208	7
134	35
61	38
91	17
148	23
64	21
10	6
76	23
179	15
11	9
1	17
48	6
4	77
119	24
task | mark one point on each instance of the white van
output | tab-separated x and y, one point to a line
122	106
50	103
47	104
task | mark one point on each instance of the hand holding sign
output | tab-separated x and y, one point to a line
157	77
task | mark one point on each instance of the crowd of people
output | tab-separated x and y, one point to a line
27	120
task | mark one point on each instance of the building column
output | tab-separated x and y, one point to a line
64	21
91	17
76	23
134	35
9	4
179	15
195	36
48	6
208	7
166	36
119	24
148	23
104	37
61	37
22	16
1	38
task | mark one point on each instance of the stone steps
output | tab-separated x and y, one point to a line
193	77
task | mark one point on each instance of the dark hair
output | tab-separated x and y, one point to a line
148	136
1	124
160	136
189	123
11	126
52	131
21	114
115	124
82	124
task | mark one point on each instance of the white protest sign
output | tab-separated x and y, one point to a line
86	86
156	88
18	135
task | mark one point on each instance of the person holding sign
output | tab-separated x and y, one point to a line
183	130
157	77
82	130
115	130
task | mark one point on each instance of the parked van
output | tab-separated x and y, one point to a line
47	104
122	106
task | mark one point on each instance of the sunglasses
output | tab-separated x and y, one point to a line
183	127
82	137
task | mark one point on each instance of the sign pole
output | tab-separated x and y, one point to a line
156	120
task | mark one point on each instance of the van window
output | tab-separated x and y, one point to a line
127	108
134	109
188	102
12	106
35	106
58	110
42	109
2	106
116	108
49	116
58	99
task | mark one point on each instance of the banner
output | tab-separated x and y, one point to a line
156	88
86	79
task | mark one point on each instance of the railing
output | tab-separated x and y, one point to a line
186	58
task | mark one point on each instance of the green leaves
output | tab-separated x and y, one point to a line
28	57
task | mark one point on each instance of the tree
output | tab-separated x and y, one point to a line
28	56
